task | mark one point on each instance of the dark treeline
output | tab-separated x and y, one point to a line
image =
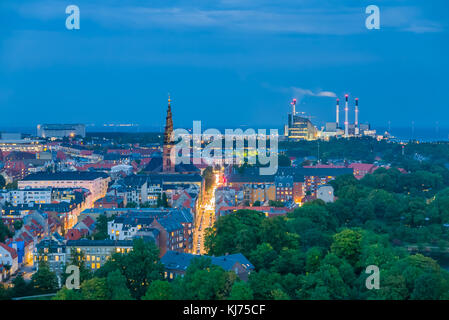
367	149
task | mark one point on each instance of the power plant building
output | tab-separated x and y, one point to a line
300	128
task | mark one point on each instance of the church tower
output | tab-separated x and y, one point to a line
167	164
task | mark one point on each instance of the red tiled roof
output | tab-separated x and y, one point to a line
75	234
88	221
324	166
186	204
11	251
362	166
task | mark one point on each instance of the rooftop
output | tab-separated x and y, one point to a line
180	261
99	243
44	176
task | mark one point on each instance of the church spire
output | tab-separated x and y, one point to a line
168	164
168	124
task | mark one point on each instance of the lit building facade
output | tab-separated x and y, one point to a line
61	130
300	128
95	182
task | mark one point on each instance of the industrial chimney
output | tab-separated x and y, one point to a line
293	103
356	122
338	113
346	117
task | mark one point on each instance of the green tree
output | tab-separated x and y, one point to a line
275	232
241	291
427	287
131	205
159	290
101	227
234	233
5	294
347	244
393	287
289	261
2	182
263	283
205	281
21	288
263	256
313	259
279	294
273	203
95	289
209	178
18	224
43	279
140	267
162	201
4	232
68	294
116	284
12	186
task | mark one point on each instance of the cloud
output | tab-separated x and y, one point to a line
299	93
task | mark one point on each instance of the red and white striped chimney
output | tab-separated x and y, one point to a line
346	116
337	120
356	122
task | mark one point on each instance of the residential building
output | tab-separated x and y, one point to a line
52	250
95	182
97	252
176	263
292	183
8	257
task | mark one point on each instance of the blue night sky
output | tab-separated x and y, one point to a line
225	62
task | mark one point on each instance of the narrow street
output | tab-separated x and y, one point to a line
205	217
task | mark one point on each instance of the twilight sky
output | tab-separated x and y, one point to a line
225	62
